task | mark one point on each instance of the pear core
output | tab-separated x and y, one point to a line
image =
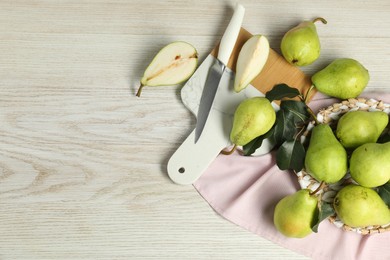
173	64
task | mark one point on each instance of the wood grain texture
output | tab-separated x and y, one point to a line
276	70
83	161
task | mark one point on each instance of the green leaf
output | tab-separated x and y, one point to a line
251	147
291	155
284	130
281	91
384	192
291	117
326	210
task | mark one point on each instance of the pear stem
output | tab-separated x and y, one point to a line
322	184
308	93
139	90
313	115
308	109
229	152
321	20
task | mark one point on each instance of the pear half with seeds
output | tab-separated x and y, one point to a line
251	60
173	64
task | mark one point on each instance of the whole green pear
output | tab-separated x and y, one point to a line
359	206
359	127
326	159
300	46
370	164
295	214
252	118
343	78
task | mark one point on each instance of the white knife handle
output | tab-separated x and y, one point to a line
229	38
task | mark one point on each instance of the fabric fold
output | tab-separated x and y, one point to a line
245	190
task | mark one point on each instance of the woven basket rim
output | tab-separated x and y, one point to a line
330	115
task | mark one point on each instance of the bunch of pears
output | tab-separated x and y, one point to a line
352	146
327	157
343	78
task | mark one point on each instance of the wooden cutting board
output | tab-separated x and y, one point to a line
190	160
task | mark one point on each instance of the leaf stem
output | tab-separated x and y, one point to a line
139	90
229	152
301	131
308	109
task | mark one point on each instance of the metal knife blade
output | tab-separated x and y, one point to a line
207	98
226	46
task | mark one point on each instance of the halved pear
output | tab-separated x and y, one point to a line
251	60
173	64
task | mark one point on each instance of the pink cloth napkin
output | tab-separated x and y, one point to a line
245	190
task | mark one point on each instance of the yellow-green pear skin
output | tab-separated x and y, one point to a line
252	118
295	214
359	127
301	46
370	164
343	78
326	159
359	206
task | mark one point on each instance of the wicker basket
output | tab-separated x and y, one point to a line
330	115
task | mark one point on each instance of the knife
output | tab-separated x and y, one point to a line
216	71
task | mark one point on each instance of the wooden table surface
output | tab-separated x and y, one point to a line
83	161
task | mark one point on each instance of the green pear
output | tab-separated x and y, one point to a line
370	164
359	206
251	60
252	118
173	64
300	46
359	127
294	215
326	159
343	78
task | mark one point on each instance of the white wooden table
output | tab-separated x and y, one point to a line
83	161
